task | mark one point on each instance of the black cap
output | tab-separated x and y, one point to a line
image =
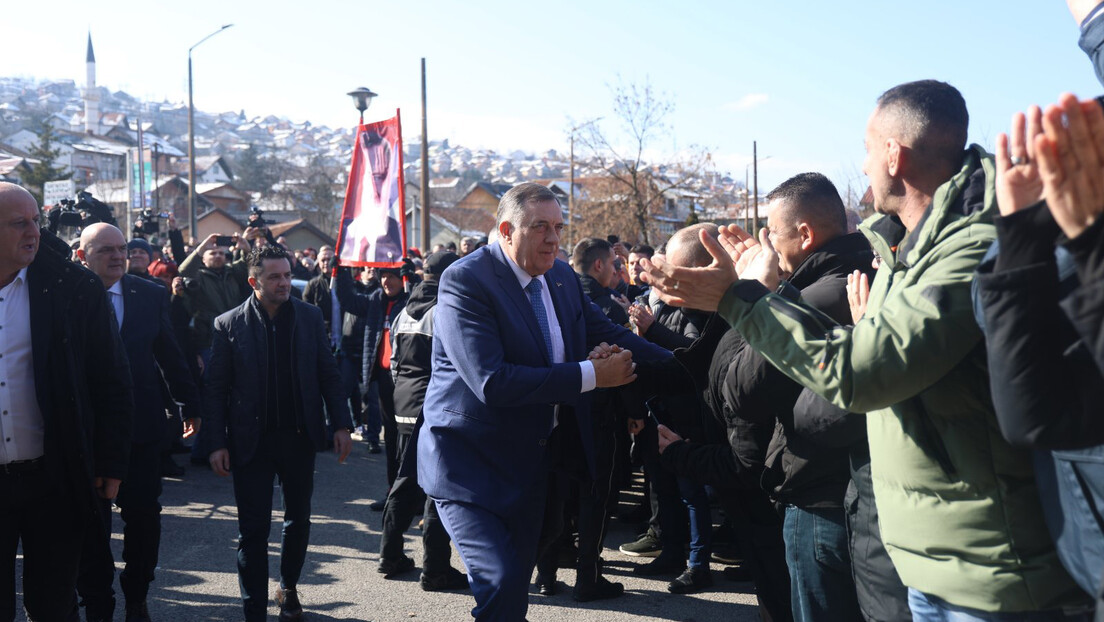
436	263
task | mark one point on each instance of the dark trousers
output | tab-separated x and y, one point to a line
140	508
498	551
290	457
403	501
817	555
759	533
569	469
51	525
390	427
350	382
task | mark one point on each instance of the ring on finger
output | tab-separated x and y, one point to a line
1017	160
675	286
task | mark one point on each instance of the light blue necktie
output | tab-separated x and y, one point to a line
534	290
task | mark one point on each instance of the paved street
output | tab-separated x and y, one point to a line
197	579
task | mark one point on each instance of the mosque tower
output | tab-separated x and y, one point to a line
91	94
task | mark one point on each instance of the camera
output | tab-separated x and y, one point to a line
148	223
84	211
256	217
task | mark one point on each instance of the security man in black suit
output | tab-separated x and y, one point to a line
142	313
271	370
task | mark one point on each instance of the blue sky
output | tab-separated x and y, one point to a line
798	77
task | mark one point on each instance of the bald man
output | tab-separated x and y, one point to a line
142	313
65	409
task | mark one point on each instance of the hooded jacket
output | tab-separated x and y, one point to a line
958	506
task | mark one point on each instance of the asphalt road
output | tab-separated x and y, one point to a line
197	577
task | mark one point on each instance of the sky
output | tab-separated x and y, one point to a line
799	78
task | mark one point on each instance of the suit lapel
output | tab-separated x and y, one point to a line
508	283
556	287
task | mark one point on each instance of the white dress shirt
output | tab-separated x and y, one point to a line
115	294
21	425
558	355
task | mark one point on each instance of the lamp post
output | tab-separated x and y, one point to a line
191	139
362	98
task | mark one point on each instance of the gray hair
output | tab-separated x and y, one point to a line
511	208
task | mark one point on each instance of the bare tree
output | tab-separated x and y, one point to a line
637	189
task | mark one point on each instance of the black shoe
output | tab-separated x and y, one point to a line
692	580
373	447
664	564
599	590
391	568
451	579
377	505
546	584
647	545
290	609
136	612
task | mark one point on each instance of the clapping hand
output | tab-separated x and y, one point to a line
858	293
755	260
1071	162
1018	182
694	288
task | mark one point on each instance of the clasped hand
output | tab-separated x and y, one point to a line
613	365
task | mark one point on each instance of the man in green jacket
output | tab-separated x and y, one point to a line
958	506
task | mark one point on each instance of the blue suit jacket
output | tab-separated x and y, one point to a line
492	394
154	354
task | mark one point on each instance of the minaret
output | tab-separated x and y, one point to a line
91	95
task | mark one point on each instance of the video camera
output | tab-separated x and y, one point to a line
148	222
84	211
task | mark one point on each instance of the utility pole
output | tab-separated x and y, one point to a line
755	181
425	169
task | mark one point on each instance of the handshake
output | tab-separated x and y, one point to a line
613	366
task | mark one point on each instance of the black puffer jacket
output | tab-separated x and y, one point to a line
602	297
799	470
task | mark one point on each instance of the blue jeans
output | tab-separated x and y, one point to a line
927	608
817	553
701	523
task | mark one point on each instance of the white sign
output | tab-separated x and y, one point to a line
55	191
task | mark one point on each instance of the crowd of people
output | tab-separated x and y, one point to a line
895	421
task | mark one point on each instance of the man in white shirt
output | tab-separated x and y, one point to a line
65	409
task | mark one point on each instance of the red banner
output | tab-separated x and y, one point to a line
373	227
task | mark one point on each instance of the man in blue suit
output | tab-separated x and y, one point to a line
510	384
142	315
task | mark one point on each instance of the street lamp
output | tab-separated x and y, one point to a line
362	98
191	140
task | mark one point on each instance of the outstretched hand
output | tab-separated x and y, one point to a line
1018	182
1071	162
694	288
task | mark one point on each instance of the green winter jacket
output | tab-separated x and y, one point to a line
958	506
